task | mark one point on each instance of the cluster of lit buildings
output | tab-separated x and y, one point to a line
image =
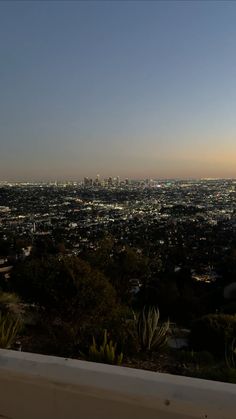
155	214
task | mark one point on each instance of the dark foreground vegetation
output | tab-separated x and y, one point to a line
115	304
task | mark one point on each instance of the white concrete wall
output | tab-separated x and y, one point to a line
44	387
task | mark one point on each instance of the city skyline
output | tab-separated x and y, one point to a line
114	180
135	89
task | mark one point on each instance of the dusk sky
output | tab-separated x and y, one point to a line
135	89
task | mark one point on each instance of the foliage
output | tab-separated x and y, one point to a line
106	353
50	336
211	332
229	307
121	264
151	335
9	329
230	354
66	287
201	358
216	373
78	301
124	331
10	303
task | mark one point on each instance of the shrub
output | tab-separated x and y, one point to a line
10	303
217	373
229	307
211	333
124	330
9	329
151	335
230	354
106	353
202	358
67	288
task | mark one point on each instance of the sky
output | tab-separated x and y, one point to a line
131	88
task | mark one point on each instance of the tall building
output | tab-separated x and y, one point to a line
117	181
97	181
88	182
110	181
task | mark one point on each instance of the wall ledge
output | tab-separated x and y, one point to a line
169	395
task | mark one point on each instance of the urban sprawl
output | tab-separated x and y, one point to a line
189	222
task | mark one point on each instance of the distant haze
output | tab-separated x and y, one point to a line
135	89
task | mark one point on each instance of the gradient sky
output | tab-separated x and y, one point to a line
137	89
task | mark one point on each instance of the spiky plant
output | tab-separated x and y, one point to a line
106	353
151	334
9	329
230	354
10	303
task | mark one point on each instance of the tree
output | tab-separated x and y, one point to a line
65	286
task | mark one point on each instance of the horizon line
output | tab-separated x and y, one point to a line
53	180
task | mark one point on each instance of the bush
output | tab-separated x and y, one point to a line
212	332
105	353
78	302
230	354
124	330
67	288
10	303
202	358
9	329
218	373
152	335
229	308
